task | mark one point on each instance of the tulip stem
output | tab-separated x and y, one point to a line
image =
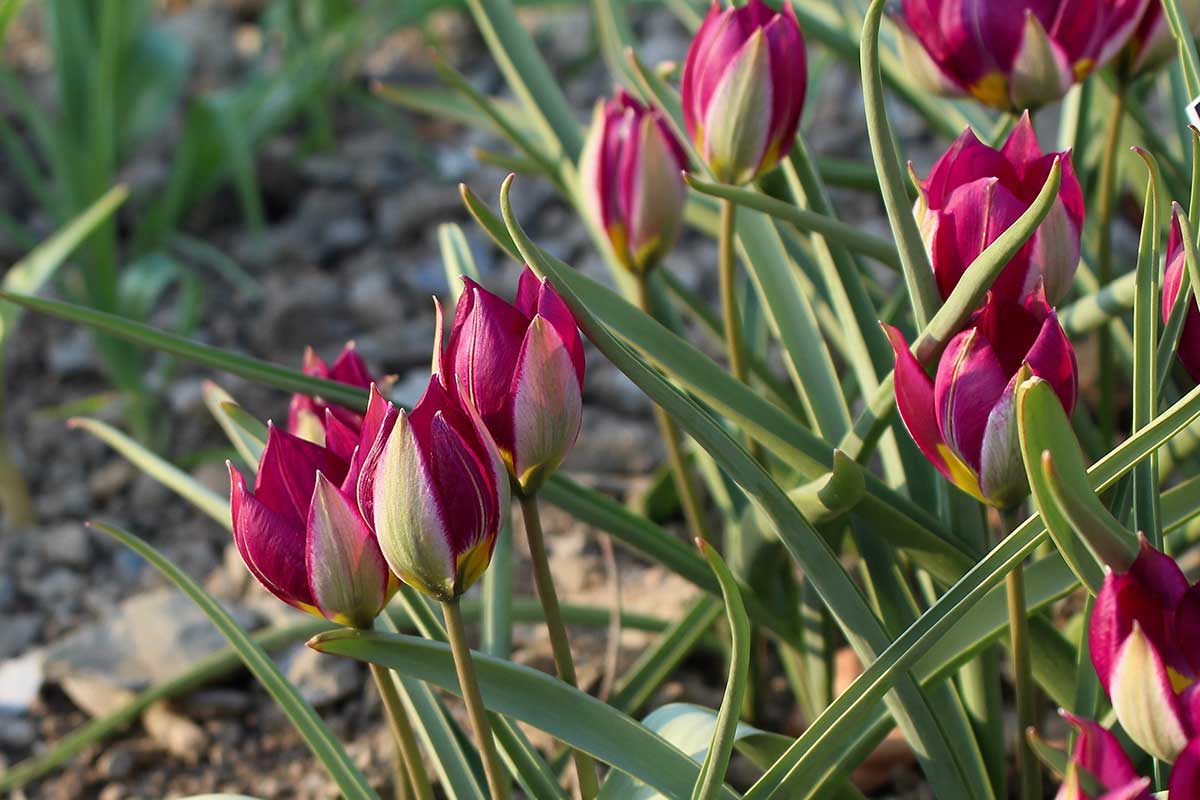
498	784
685	486
1026	691
727	267
1107	192
589	786
411	763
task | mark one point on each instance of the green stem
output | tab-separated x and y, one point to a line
411	763
16	508
588	784
727	267
1107	191
1026	689
498	784
685	485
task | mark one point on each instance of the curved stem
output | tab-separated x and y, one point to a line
685	485
1026	690
584	765
497	779
1107	191
727	268
411	764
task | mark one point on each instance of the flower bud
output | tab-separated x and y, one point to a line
631	170
965	420
974	193
433	488
522	367
1016	54
307	415
743	88
1152	44
302	537
1189	338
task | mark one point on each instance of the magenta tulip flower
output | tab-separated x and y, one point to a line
433	488
1189	337
974	193
743	88
1098	751
302	536
632	175
1015	54
1144	637
307	415
522	367
1152	44
964	420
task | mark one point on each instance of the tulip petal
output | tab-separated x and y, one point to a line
1052	358
346	571
737	117
547	405
1185	627
1002	467
270	545
408	520
1099	752
1144	700
1123	601
970	382
967	160
1185	775
287	472
1041	71
552	309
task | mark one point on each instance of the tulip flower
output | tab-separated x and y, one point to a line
522	367
1143	640
433	488
632	173
302	536
307	415
964	420
1189	337
974	193
1016	54
1099	753
1152	44
743	88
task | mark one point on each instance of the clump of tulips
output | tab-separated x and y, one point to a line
876	452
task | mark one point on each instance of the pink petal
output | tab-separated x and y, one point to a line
1144	699
1099	752
970	381
1185	775
914	401
346	571
287	472
271	546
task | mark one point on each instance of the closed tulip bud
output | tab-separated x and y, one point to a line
307	415
1143	638
965	421
632	175
1100	753
302	537
974	193
1189	337
743	88
433	488
522	367
1152	44
1017	54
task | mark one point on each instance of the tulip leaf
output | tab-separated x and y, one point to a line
158	468
317	736
863	629
1168	344
29	274
535	698
1145	385
456	259
914	261
690	728
849	236
716	761
249	440
1181	29
1057	762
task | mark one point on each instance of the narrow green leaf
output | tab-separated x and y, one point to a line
319	739
1181	29
1168	343
456	259
802	219
247	435
533	697
158	468
716	762
914	261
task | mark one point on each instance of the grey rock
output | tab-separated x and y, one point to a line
146	639
343	235
8	592
110	479
174	732
66	545
71	354
373	300
17	733
321	678
57	588
116	763
21	680
417	209
18	632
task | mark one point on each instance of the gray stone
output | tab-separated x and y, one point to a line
174	732
20	681
403	215
71	354
146	639
343	235
116	763
17	733
110	478
67	545
321	678
18	632
373	300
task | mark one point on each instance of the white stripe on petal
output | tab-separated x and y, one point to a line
1144	702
